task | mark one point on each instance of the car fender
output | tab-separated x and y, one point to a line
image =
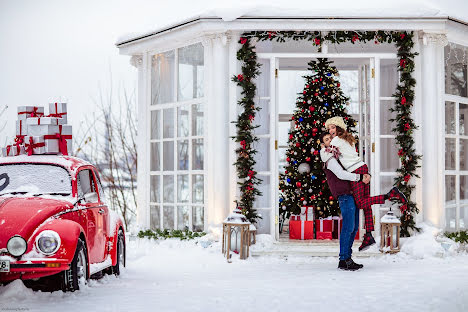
69	232
115	227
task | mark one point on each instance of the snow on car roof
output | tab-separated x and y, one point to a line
70	163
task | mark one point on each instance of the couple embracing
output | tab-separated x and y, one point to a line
348	178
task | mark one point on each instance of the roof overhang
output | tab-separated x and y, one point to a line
201	26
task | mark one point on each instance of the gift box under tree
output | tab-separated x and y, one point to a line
302	226
324	228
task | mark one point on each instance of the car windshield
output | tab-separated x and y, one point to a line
34	179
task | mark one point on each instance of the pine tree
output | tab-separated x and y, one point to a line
303	183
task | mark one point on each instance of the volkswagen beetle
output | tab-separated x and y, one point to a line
55	226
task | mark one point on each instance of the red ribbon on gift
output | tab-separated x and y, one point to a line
8	148
58	115
19	140
31	146
34	113
62	139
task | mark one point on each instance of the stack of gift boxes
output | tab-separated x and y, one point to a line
302	226
39	134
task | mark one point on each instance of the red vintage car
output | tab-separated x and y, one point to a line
55	226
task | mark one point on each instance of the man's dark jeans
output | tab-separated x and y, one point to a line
350	215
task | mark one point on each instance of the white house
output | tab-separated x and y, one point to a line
187	102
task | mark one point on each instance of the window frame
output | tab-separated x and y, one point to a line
175	173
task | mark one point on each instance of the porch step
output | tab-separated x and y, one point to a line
312	248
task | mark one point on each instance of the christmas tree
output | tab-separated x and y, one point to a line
303	183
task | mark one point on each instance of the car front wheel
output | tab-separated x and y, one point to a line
77	275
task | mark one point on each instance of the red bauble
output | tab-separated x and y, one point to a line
307	86
315	130
292	118
298	184
305	134
311	108
316	152
308	159
290	136
338	85
326	93
298	144
288	159
316	94
330	198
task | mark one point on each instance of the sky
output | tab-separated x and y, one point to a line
57	49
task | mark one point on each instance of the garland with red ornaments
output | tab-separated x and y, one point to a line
404	99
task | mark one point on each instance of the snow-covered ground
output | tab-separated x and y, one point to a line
184	276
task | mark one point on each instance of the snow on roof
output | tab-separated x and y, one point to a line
231	10
68	162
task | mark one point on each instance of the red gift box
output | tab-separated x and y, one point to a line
338	226
301	229
324	228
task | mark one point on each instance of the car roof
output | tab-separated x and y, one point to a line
71	163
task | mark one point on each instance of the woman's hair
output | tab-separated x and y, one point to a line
345	135
323	135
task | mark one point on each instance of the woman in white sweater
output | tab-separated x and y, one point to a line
344	142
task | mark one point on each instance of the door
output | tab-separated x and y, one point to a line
95	216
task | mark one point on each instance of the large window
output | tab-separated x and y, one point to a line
456	137
176	140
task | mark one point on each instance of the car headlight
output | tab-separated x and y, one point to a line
48	242
17	246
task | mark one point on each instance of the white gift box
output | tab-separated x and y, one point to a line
307	213
21	128
13	150
41	146
62	137
41	130
58	110
25	112
44	121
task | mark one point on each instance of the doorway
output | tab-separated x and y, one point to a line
370	97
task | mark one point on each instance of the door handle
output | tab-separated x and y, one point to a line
101	211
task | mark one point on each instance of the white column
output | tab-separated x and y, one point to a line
432	91
141	63
217	132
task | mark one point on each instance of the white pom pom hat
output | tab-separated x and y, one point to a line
337	121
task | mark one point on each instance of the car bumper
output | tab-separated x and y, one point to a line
34	269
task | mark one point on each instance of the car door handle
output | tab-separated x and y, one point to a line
101	211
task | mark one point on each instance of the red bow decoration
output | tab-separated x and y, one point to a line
57	115
62	139
31	146
243	144
34	113
243	40
19	140
403	100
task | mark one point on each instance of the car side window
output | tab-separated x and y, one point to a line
85	183
99	187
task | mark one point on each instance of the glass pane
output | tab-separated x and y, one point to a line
283	133
197	120
182	121
349	81
450	190
450	154
263	154
291	82
191	72
263	201
450	218
162	78
168	217
463	154
456	58
385	115
263	224
463	119
197	154
389	161
168	188
197	189
262	119
155	125
449	117
263	80
155	189
155	157
197	219
155	217
183	155
168	156
463	190
389	77
182	188
183	217
463	222
168	123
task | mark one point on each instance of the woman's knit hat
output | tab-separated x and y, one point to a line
337	121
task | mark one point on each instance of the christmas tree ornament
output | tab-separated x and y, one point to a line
303	168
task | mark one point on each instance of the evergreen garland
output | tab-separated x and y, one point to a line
404	101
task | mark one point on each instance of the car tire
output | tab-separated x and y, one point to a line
77	275
121	254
